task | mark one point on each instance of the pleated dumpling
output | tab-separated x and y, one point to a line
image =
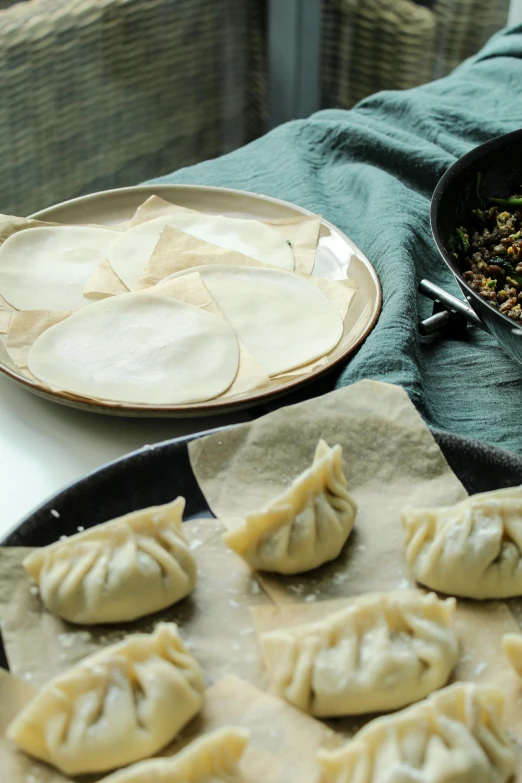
118	706
454	736
472	549
117	571
304	527
381	652
213	758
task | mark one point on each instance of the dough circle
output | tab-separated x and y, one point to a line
283	320
138	348
46	268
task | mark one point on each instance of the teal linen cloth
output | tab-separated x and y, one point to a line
372	171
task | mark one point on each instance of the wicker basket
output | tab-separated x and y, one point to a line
463	27
371	45
106	93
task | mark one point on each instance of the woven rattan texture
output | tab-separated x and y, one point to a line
106	93
371	45
463	27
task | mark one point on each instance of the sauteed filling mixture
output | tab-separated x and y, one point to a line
489	252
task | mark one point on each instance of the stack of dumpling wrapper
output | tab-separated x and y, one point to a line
178	307
302	622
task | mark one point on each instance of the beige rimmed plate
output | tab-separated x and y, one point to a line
337	258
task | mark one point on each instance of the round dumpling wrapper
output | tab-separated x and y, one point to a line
46	268
131	253
138	348
283	320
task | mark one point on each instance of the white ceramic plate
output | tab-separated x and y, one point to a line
337	258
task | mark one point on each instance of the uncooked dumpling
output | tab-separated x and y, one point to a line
304	527
138	348
131	253
454	736
117	571
283	320
213	758
120	705
46	268
381	652
472	549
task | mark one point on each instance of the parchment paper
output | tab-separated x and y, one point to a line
26	327
282	738
9	224
104	282
303	235
390	459
6	311
155	207
215	620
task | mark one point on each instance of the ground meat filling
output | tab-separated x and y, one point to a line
489	252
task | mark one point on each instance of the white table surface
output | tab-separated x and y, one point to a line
44	446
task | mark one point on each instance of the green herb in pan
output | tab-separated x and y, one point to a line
515	201
462	240
489	252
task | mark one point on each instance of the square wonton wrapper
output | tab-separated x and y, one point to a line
302	232
26	327
479	628
282	738
390	459
214	620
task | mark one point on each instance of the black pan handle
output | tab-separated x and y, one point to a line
450	309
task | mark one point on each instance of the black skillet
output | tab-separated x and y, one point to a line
156	475
499	162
